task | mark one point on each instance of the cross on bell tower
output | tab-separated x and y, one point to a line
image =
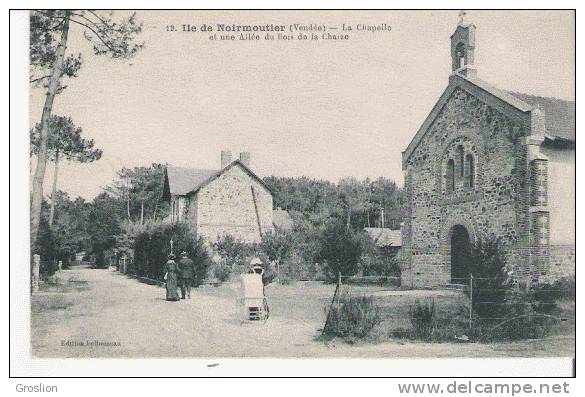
463	47
462	15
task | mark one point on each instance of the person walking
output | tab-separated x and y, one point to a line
171	278
186	273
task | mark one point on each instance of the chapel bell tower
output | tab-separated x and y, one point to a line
463	48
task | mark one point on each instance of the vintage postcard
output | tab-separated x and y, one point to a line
315	184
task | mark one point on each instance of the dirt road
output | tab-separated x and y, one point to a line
102	313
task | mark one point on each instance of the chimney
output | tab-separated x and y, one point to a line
245	158
226	158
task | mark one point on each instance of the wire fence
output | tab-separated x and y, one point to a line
472	304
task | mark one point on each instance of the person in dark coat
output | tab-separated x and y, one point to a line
186	273
171	278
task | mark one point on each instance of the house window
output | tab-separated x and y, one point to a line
470	167
450	175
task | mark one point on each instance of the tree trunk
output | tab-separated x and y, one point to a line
128	199
142	212
54	191
37	188
348	217
154	214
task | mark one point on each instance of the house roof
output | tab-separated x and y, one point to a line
384	237
182	181
559	115
282	220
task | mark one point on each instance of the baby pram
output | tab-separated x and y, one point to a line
253	305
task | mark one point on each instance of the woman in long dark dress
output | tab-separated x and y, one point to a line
171	278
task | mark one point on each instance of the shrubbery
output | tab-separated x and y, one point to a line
422	318
236	254
561	289
310	253
523	317
353	317
152	247
222	272
502	310
51	251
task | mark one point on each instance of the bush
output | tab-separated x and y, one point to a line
422	318
286	280
234	253
353	317
152	247
278	247
222	272
502	311
563	288
524	317
46	246
269	275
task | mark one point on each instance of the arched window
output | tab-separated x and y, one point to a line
470	167
450	175
460	55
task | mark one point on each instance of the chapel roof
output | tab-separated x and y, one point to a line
559	114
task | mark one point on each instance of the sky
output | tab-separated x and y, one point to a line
323	109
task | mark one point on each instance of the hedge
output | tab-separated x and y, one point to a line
152	247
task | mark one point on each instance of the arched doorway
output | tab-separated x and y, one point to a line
460	250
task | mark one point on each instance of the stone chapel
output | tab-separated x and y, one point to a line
487	161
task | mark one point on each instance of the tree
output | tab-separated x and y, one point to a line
65	141
360	203
340	249
120	189
278	247
70	225
141	190
103	226
386	198
49	32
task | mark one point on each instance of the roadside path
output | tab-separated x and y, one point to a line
112	309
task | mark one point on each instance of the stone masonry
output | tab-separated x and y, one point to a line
477	164
234	203
492	204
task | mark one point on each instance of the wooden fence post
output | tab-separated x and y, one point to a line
470	300
338	288
335	298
